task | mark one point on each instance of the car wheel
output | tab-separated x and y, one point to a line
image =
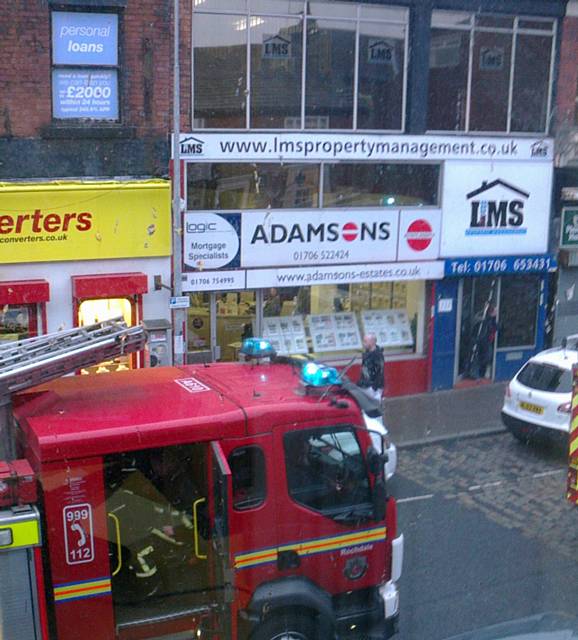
287	627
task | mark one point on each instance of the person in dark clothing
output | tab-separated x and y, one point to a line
483	338
372	368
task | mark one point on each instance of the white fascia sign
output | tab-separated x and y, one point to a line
493	209
319	236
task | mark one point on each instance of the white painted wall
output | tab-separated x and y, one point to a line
58	275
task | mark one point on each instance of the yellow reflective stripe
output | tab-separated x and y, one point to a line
573	446
320	545
82	589
24	534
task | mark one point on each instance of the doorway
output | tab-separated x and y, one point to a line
477	329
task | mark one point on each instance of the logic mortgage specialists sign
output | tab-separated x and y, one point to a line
296	237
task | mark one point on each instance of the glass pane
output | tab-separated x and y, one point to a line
220	70
546	377
538	25
330	74
332	9
448	80
393	14
451	19
199	323
235	321
220	5
326	470
14	322
531	77
287	7
93	311
276	61
149	499
378	185
381	73
490	81
501	22
249	480
252	186
519	299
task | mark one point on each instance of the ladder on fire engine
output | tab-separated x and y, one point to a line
33	361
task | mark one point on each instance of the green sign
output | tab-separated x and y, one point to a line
569	234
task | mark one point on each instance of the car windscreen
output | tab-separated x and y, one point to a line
546	377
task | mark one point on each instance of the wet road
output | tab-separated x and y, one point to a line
489	536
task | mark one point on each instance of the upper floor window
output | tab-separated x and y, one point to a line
490	73
85	65
298	64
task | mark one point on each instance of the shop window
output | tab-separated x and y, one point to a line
236	312
489	73
199	323
85	66
335	317
518	312
15	322
374	185
221	186
94	311
250	69
249	480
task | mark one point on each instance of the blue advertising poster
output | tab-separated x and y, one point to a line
84	38
78	93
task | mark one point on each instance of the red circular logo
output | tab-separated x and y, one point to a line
349	231
419	235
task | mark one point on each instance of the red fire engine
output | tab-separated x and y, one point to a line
241	500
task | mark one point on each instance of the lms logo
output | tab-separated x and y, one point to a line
497	208
191	146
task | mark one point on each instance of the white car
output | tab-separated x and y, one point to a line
538	398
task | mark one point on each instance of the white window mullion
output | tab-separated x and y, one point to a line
512	71
356	71
304	65
469	85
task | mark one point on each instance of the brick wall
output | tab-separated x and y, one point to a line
568	71
146	67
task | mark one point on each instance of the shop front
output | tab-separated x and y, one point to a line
312	240
490	309
76	253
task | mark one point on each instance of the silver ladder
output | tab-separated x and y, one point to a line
28	363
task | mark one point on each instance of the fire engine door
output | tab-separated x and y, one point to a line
163	566
222	487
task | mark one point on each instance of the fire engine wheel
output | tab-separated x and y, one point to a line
287	627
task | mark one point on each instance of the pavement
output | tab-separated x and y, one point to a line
444	415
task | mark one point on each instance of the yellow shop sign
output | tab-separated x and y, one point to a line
43	222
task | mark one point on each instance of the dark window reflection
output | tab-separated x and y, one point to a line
519	296
531	73
276	58
490	81
448	79
252	186
330	73
381	72
220	70
249	482
378	185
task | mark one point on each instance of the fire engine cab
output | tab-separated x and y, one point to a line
225	501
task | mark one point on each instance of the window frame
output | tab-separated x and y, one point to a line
472	28
358	20
98	122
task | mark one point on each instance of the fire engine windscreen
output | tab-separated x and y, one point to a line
326	470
